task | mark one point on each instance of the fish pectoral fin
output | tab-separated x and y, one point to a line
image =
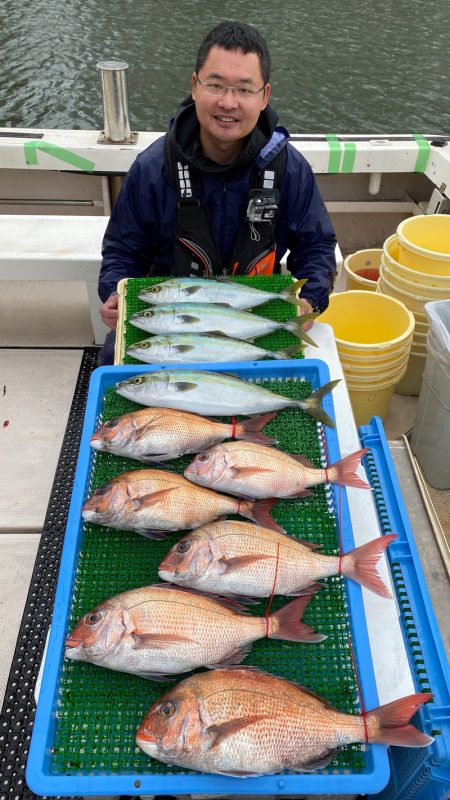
148	500
157	641
144	430
188	318
183	348
318	763
218	733
188	290
184	386
239	562
240	472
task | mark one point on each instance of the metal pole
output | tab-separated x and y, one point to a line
115	101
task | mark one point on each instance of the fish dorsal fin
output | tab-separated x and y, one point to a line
264	674
302	460
226	602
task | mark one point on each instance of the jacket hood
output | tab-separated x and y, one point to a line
184	140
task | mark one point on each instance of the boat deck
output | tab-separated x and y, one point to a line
40	363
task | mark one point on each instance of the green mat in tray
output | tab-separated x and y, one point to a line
129	303
99	710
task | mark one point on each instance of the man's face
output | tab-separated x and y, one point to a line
226	120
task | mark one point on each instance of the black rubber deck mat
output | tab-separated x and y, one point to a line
17	715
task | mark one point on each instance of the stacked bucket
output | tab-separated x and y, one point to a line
373	335
415	269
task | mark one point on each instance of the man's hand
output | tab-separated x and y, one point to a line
306	308
109	312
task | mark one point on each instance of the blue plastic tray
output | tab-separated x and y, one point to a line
40	776
423	773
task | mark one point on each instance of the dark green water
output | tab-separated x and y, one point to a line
362	66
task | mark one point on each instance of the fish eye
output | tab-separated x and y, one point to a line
137	380
183	547
203	457
111	423
94	617
145	345
167	709
148	313
155	289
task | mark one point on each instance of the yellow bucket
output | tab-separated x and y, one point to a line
414	302
412	379
356	374
373	335
427	292
390	259
370	401
364	365
368	322
362	269
424	243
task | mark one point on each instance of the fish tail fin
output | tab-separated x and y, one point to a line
250	429
286	623
259	511
312	405
288	352
389	723
295	326
360	564
343	472
290	293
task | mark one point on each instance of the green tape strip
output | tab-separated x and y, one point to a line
31	148
424	152
334	160
348	162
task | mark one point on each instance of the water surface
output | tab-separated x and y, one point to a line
354	66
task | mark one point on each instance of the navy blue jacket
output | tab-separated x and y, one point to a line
140	234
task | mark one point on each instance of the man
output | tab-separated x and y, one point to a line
222	193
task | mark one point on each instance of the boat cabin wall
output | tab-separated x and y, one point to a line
361	220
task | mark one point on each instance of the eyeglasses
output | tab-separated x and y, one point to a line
220	90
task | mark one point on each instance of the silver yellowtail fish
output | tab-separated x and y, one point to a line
225	292
160	434
158	631
200	348
215	394
209	318
244	722
152	502
247	469
236	558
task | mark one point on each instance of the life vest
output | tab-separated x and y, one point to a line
195	250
